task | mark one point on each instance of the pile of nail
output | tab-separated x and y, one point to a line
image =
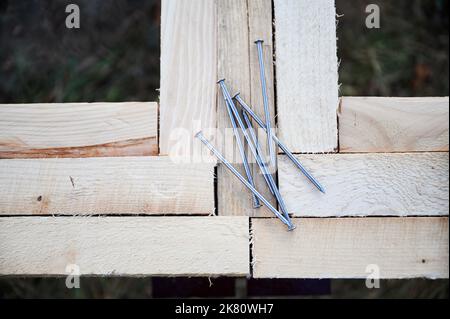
237	121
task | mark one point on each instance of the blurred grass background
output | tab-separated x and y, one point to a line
114	57
407	56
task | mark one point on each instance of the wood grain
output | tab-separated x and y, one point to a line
126	185
240	24
368	185
131	246
233	65
260	28
188	72
307	77
344	248
78	130
380	124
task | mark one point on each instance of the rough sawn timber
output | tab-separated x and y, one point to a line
415	184
78	130
240	24
113	185
126	246
307	76
188	73
386	124
351	248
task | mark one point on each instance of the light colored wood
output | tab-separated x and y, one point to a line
344	248
132	246
260	28
414	184
233	65
240	24
126	185
188	72
380	124
78	130
307	77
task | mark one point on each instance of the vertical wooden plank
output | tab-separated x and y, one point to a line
260	28
188	70
307	77
233	65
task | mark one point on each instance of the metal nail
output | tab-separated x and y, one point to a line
256	143
269	178
256	203
202	138
259	45
259	161
291	156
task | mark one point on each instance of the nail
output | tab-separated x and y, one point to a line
260	163
256	143
269	178
259	45
256	203
200	136
291	156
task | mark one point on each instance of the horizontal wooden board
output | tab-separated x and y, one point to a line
158	246
400	184
78	130
306	75
352	248
380	124
114	185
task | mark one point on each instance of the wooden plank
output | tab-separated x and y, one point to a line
158	246
188	72
127	185
241	23
233	65
380	124
260	28
345	247
78	130
368	185
307	77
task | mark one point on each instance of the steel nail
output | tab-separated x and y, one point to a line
260	163
269	178
259	45
200	136
256	203
255	141
291	156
